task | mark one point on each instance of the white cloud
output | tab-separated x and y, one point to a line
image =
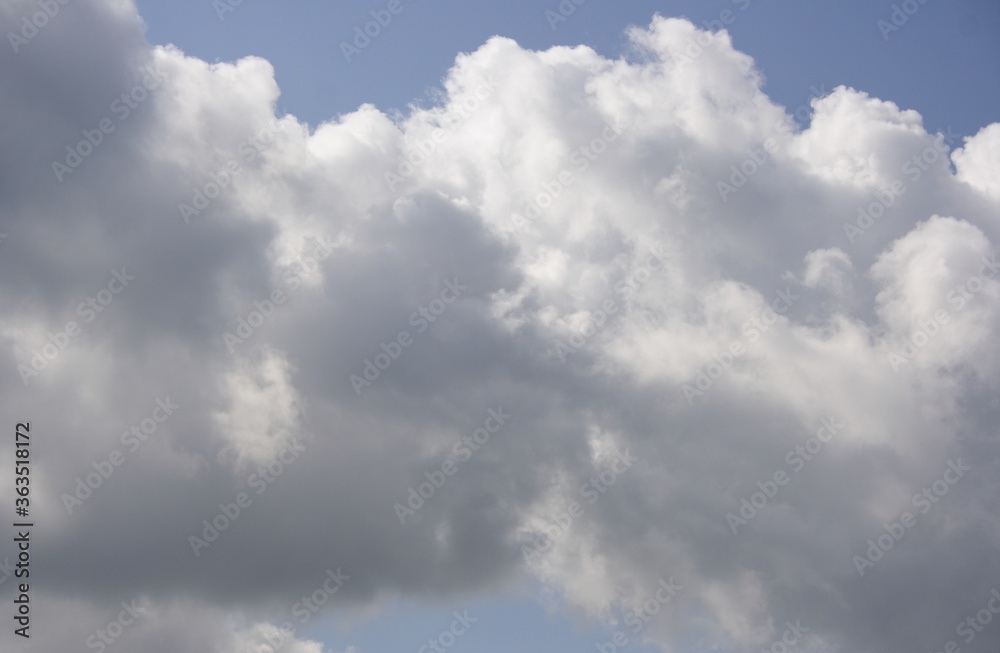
978	158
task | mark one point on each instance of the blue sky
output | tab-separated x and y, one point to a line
502	626
944	61
516	623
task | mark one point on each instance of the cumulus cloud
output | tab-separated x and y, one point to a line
974	161
641	260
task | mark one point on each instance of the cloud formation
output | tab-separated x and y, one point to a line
647	260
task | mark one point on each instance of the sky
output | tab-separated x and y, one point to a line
646	327
952	43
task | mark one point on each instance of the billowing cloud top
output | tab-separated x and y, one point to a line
600	323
